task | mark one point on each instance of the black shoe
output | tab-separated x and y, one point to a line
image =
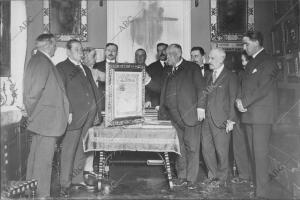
180	182
208	181
90	178
82	186
64	192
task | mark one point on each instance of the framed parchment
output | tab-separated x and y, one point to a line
67	19
125	94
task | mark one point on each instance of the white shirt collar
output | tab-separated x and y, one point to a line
254	55
219	70
110	61
74	62
162	63
46	54
78	64
179	63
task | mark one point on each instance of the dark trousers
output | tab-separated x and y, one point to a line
258	136
215	149
241	152
72	154
39	163
187	164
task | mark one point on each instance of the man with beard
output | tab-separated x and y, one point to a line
158	72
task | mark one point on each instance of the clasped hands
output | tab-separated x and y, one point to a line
240	106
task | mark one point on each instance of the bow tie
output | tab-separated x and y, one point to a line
202	67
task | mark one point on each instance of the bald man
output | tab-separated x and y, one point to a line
182	100
220	117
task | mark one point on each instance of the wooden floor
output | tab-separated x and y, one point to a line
150	182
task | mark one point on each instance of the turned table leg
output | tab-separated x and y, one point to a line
168	168
100	170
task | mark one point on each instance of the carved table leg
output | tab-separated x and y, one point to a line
168	168
101	169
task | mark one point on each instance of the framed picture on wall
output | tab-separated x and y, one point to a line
277	41
229	19
5	43
293	66
66	19
291	28
125	94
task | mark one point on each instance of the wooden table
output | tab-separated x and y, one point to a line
162	140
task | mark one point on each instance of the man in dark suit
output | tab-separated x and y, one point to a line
198	57
219	117
239	139
182	100
111	53
257	102
84	104
158	71
140	58
47	107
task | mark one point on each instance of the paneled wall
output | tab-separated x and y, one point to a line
200	21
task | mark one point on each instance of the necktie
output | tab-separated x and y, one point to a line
214	76
174	69
81	69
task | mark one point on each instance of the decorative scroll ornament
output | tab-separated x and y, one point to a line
8	92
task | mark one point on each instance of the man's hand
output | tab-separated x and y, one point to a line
229	126
148	104
157	108
101	76
70	118
240	106
24	122
200	114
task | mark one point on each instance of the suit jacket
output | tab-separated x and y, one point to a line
259	90
221	96
81	91
207	72
158	73
189	89
101	66
45	97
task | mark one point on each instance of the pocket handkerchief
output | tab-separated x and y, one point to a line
254	70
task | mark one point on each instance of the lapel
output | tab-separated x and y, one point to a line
209	78
90	79
180	73
254	63
161	66
221	76
81	77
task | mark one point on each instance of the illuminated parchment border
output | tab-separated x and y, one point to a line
110	118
